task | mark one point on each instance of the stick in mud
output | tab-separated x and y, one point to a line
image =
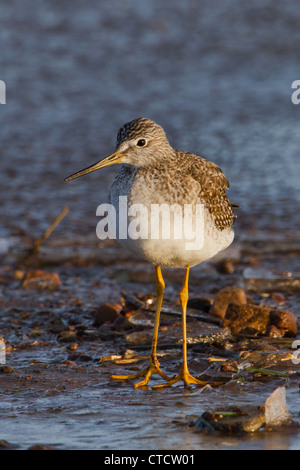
50	229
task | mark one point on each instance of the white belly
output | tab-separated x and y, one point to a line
176	247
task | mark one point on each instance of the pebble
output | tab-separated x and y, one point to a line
231	420
4	445
225	267
106	313
284	321
224	298
6	370
67	337
276	411
200	303
41	280
258	320
122	323
40	447
138	337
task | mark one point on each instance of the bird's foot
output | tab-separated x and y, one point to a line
152	368
185	376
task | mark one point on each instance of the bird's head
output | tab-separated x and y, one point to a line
141	142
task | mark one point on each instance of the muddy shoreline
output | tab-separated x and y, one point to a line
59	359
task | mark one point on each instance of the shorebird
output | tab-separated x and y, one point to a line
155	174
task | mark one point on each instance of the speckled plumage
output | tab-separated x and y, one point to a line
173	176
183	167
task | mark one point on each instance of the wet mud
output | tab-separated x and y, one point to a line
64	341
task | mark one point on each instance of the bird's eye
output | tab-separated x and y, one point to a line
141	142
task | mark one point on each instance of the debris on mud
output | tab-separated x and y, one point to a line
264	280
249	418
30	257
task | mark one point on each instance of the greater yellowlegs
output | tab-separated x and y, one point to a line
156	176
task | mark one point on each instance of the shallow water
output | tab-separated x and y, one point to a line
217	76
150	421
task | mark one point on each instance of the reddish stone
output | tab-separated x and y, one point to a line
41	280
106	313
225	297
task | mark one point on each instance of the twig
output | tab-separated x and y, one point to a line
37	243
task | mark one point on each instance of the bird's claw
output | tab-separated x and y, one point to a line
185	376
152	368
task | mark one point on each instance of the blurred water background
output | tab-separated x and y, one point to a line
216	75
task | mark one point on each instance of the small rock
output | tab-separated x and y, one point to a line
236	420
6	370
18	275
276	411
246	319
138	337
131	302
274	332
4	445
231	420
122	323
279	298
284	321
265	347
41	280
225	297
56	325
257	320
67	362
106	313
40	447
67	337
225	267
78	356
200	303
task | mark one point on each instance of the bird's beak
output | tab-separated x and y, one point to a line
111	160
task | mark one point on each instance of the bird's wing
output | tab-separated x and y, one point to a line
213	184
208	174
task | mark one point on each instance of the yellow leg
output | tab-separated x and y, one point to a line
153	367
184	374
